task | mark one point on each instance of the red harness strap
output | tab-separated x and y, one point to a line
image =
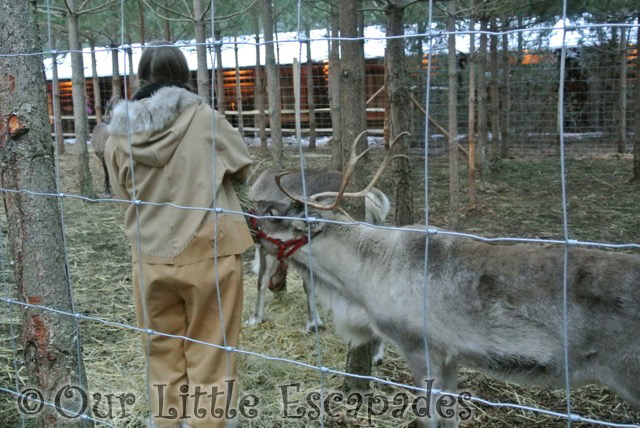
282	266
285	248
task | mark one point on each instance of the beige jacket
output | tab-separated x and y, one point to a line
167	138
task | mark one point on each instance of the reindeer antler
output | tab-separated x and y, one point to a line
349	169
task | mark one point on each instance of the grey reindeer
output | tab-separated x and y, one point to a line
98	143
494	307
272	272
99	137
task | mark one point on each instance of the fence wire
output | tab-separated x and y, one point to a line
430	36
321	369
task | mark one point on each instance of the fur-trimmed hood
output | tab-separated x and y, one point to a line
156	124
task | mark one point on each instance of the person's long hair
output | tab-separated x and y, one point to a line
163	62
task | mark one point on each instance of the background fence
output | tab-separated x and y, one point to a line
522	89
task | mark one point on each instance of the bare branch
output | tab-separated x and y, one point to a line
411	3
383	4
178	36
166	18
206	9
100	8
233	15
66	3
84	3
314	5
57	11
166	9
106	36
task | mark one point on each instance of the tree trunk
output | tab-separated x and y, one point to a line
520	40
274	14
141	19
471	131
259	94
202	73
311	105
97	97
636	144
363	61
273	87
115	76
35	236
420	84
353	120
79	94
386	100
495	93
505	122
454	179
334	91
166	27
622	93
55	95
221	97
396	81
132	83
481	68
238	91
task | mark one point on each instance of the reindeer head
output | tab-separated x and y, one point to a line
270	201
287	220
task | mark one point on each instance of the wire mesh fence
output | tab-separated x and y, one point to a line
526	79
522	72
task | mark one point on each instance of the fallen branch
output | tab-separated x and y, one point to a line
439	127
375	95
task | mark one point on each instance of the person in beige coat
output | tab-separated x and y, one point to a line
176	160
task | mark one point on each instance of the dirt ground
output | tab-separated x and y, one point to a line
520	198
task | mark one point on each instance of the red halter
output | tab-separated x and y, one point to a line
285	248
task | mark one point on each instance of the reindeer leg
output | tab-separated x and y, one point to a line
443	377
622	374
314	323
266	268
450	384
377	348
107	186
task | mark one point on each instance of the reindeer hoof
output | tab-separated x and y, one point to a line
378	355
314	327
254	320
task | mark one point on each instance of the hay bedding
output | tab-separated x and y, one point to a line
516	201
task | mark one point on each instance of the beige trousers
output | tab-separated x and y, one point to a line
190	382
